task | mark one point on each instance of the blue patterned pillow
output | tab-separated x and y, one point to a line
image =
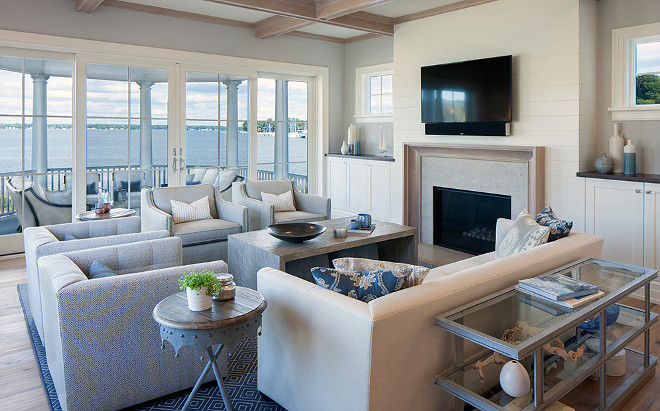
558	228
100	270
362	285
69	237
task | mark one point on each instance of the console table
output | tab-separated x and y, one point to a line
224	324
484	321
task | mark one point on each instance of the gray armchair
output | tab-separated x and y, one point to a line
308	207
203	240
48	240
130	185
41	207
102	345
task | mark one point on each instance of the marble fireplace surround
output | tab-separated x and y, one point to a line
517	171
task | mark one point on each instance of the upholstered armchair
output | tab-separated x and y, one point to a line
308	207
92	183
49	240
203	240
41	207
102	345
129	187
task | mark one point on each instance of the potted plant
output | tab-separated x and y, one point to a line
200	287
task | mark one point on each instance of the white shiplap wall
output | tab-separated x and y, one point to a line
553	83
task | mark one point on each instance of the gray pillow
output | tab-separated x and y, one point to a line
100	270
524	234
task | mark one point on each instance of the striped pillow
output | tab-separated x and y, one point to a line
282	202
197	210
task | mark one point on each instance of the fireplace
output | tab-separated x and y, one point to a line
465	220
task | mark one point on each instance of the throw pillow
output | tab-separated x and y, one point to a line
282	202
100	270
524	235
68	237
364	286
558	228
197	210
417	274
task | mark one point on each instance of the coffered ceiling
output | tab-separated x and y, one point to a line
342	21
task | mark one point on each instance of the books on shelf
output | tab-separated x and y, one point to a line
572	303
557	287
367	230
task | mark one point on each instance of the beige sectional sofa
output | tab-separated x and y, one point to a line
322	350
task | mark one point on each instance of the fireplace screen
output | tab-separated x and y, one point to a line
465	220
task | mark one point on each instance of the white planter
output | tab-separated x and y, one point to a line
198	300
514	379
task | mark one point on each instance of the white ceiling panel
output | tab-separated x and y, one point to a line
329	30
398	8
207	8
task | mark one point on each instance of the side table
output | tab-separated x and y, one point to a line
224	324
113	213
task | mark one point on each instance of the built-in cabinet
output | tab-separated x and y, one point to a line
360	185
625	214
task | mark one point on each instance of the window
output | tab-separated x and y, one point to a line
636	73
374	93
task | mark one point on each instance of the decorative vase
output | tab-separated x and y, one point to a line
616	149
356	148
198	300
514	379
227	288
344	148
382	148
604	164
630	159
352	133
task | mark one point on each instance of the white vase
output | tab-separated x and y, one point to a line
198	300
352	133
514	379
382	147
344	148
616	149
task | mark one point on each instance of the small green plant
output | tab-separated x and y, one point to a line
196	280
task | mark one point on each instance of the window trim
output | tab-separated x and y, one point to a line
362	95
623	106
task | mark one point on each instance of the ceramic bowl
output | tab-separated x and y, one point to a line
295	232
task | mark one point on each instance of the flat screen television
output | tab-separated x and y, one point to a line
468	97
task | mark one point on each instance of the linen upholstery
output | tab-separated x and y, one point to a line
203	240
103	346
261	214
48	240
197	210
383	355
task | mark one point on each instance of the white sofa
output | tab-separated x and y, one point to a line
322	350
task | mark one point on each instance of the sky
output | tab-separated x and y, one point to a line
648	57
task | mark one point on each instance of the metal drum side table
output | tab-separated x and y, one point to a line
224	324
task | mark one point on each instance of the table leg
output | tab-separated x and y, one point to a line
216	371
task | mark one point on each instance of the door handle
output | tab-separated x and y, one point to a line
649	192
638	191
174	160
182	162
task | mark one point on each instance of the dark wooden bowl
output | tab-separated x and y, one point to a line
295	232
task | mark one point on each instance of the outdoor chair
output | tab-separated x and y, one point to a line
41	207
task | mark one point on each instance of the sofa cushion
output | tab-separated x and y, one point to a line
558	228
100	270
297	216
204	231
225	178
449	269
183	212
280	202
364	286
255	188
417	274
210	176
525	234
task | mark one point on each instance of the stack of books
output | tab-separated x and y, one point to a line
560	289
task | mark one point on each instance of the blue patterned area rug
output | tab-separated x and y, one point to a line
241	381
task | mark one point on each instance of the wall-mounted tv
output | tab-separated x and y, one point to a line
469	97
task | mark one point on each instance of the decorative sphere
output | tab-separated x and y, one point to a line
604	164
514	379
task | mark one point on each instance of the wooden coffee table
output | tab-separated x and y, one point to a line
224	324
249	252
113	213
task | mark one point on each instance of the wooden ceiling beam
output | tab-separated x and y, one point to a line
87	6
305	9
329	9
277	25
464	4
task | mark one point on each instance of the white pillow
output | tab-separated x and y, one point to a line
210	176
197	210
524	234
282	202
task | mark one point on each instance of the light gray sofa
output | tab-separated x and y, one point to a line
102	345
203	240
308	207
322	350
48	240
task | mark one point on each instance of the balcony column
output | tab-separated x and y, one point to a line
146	151
281	129
231	134
40	128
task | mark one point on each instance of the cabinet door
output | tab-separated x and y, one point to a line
337	182
652	226
358	186
615	211
380	189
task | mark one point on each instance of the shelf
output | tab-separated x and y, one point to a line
638	178
362	157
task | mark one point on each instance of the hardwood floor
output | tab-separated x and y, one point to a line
21	388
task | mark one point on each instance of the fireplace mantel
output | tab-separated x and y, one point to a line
414	154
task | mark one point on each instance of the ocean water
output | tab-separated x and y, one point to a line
110	148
